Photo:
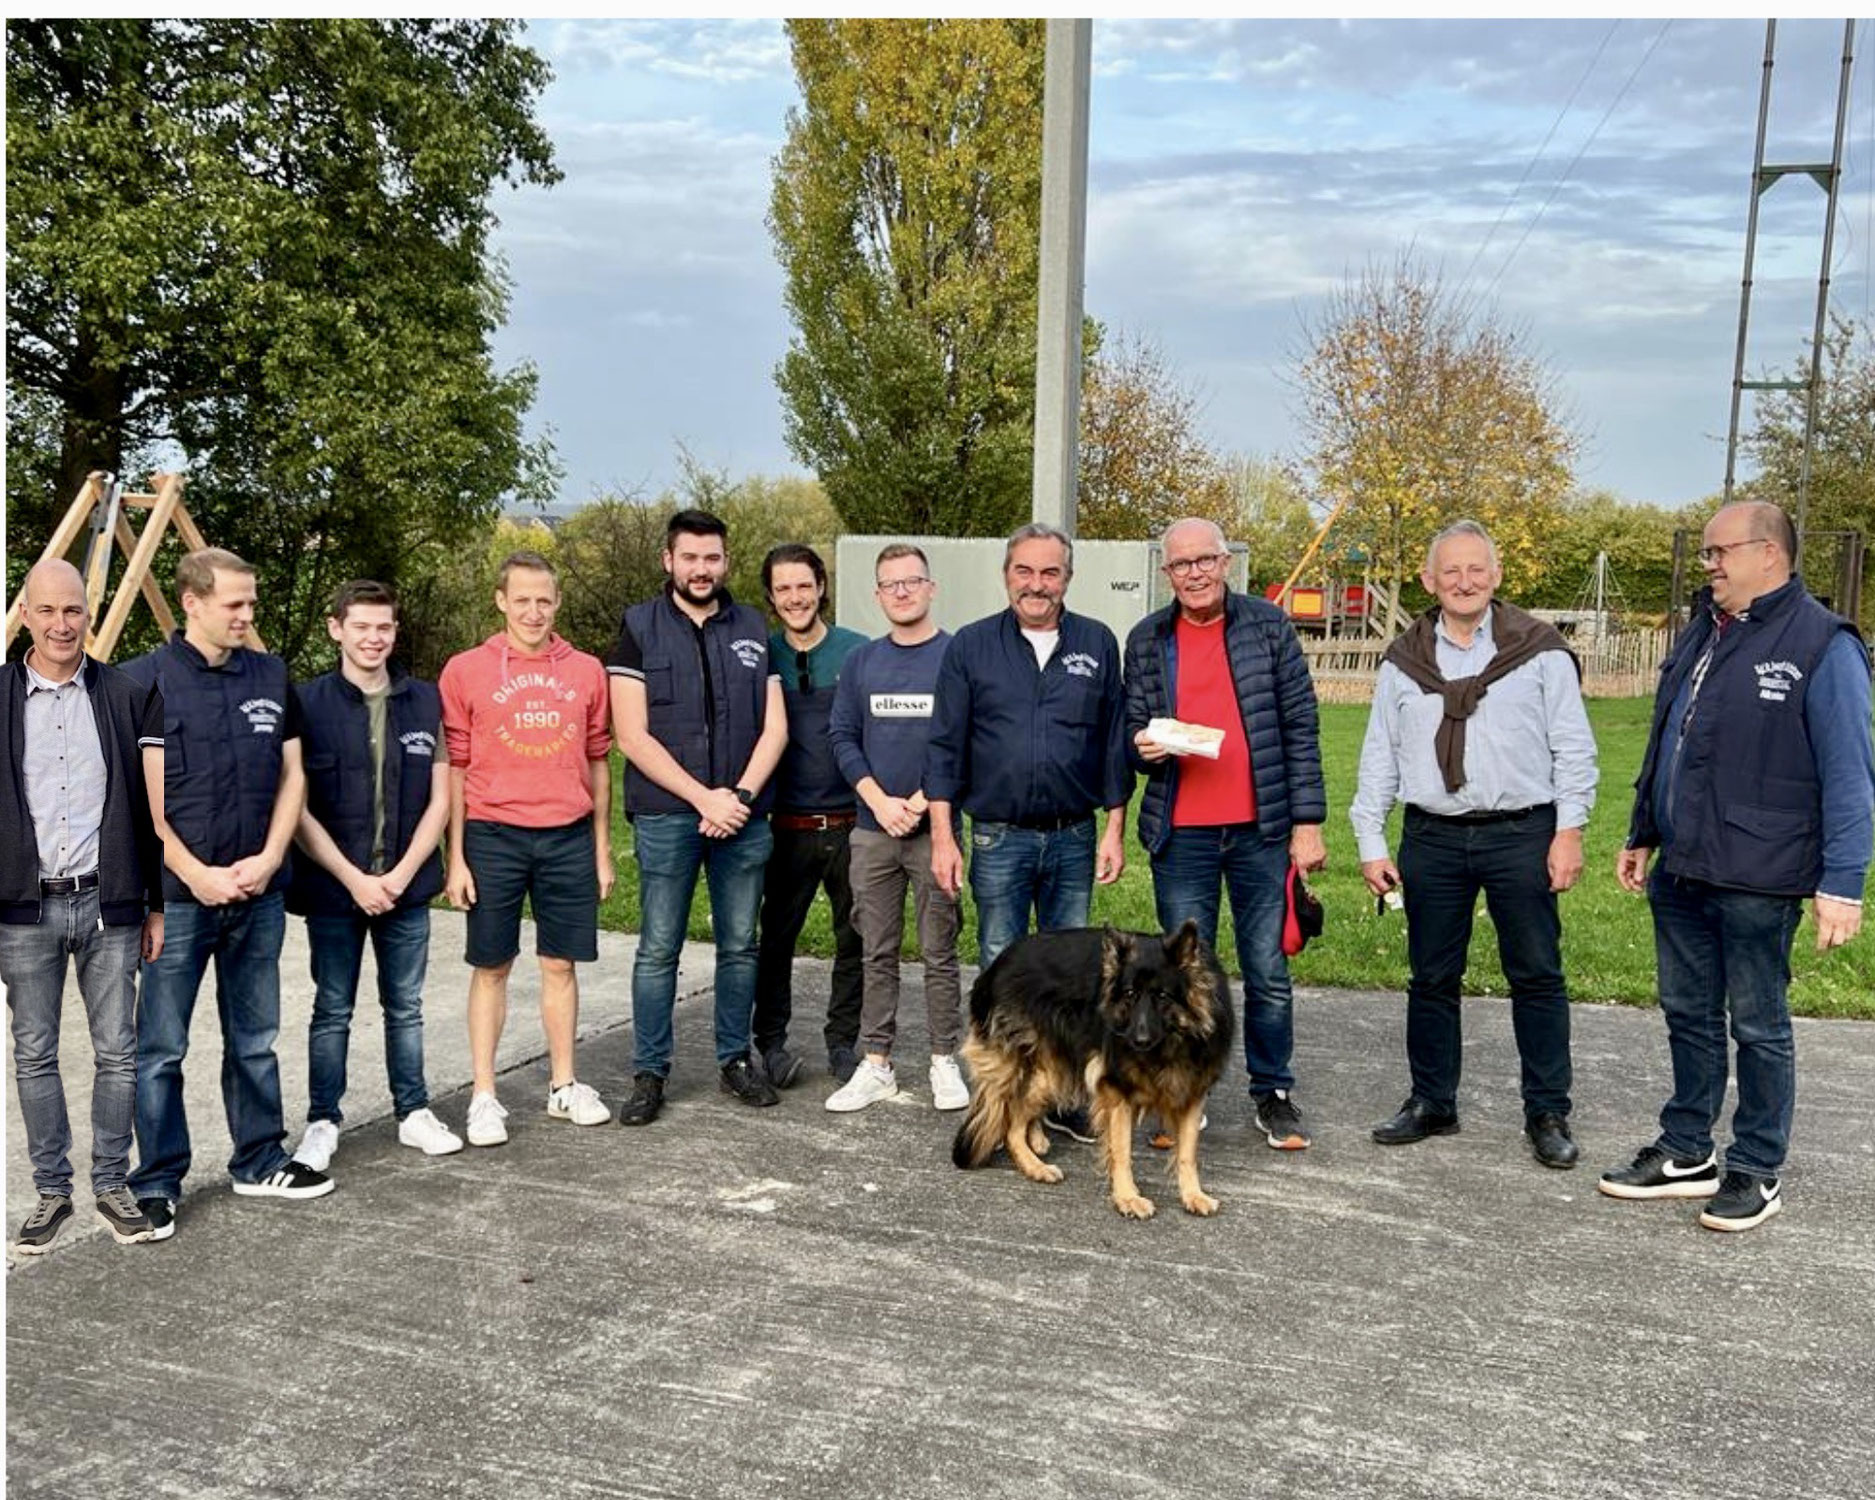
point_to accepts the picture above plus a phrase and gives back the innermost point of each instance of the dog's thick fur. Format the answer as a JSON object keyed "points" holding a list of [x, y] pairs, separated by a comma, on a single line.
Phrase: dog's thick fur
{"points": [[1141, 1021]]}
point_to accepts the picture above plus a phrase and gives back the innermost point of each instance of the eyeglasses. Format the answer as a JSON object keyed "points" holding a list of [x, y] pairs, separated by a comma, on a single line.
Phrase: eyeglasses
{"points": [[804, 672], [1207, 562], [1714, 554], [901, 586]]}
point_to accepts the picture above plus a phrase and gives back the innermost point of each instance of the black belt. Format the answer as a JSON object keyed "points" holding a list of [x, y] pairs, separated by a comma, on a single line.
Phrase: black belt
{"points": [[69, 885], [1050, 825], [812, 822], [1508, 815]]}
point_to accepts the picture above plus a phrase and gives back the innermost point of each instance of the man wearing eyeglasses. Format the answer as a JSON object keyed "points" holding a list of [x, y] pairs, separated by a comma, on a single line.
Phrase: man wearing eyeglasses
{"points": [[881, 728], [1758, 790], [1029, 740], [812, 820], [696, 701], [1478, 727], [1219, 659]]}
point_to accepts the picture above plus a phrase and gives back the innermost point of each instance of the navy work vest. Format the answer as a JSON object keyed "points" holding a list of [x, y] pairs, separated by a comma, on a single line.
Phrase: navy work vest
{"points": [[341, 782], [706, 696], [1746, 804], [222, 729]]}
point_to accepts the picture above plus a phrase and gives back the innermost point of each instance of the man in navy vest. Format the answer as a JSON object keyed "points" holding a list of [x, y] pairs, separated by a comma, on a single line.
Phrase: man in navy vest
{"points": [[232, 791], [812, 821], [698, 711], [80, 887], [377, 802], [1218, 659], [1758, 790]]}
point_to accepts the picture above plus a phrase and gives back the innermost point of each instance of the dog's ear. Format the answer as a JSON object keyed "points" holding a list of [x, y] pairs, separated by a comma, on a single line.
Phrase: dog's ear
{"points": [[1182, 947], [1116, 948]]}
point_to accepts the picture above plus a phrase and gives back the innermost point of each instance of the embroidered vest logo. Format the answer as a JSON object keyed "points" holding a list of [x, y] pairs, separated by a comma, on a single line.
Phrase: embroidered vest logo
{"points": [[1777, 679], [1080, 664], [263, 715], [418, 742], [750, 652]]}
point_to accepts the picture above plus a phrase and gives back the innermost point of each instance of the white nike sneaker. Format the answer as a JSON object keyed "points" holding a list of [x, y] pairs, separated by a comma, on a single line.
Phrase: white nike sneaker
{"points": [[869, 1084], [948, 1089], [485, 1121], [421, 1128], [317, 1146]]}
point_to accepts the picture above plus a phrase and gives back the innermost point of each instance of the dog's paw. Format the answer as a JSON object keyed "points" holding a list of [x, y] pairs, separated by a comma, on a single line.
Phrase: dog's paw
{"points": [[1135, 1207], [1039, 1142], [1042, 1172], [1202, 1204]]}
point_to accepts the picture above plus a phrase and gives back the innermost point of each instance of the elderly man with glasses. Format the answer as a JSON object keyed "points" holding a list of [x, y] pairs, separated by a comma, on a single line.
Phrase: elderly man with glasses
{"points": [[1758, 790], [1230, 663], [812, 819]]}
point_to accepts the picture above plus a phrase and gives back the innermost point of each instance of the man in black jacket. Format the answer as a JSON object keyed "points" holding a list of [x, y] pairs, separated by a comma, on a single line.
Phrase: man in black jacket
{"points": [[377, 802], [80, 878], [1230, 664]]}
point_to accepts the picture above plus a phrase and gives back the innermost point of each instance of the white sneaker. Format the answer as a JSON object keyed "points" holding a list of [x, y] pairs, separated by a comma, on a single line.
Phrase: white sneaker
{"points": [[421, 1128], [869, 1084], [578, 1102], [948, 1089], [485, 1117], [318, 1144]]}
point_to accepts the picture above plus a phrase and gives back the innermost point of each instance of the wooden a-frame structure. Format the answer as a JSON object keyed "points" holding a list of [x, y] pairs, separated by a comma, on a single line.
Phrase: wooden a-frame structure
{"points": [[100, 504]]}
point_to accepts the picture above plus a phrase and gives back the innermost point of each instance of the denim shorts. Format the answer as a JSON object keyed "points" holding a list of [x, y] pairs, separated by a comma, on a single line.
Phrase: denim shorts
{"points": [[552, 867]]}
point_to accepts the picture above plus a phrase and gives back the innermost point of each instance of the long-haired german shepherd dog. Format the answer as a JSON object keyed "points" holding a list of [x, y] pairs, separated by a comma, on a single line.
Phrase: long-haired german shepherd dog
{"points": [[1141, 1021]]}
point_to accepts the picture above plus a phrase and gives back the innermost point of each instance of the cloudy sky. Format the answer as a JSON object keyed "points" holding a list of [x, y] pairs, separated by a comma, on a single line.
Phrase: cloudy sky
{"points": [[1591, 177]]}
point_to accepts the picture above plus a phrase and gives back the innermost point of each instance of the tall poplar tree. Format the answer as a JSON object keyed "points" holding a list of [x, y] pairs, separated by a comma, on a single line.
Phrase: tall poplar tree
{"points": [[905, 214]]}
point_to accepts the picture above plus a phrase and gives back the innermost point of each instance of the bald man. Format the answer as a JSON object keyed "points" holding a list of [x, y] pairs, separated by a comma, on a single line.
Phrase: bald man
{"points": [[80, 879], [1758, 792]]}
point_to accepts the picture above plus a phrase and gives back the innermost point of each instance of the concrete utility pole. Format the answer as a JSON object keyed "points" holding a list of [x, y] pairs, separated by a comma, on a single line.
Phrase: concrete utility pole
{"points": [[1063, 272]]}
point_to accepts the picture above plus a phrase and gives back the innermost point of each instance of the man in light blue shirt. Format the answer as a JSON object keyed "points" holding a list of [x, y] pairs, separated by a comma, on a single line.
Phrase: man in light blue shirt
{"points": [[1478, 727]]}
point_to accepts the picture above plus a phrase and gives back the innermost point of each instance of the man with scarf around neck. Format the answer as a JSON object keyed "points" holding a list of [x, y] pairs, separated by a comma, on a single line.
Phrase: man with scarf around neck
{"points": [[1758, 790], [1478, 727]]}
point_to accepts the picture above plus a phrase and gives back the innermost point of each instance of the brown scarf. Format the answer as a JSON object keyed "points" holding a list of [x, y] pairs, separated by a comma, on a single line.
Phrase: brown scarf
{"points": [[1519, 635]]}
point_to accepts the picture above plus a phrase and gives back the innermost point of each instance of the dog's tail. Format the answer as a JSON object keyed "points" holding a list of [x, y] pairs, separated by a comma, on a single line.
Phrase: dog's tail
{"points": [[964, 1152], [986, 1126]]}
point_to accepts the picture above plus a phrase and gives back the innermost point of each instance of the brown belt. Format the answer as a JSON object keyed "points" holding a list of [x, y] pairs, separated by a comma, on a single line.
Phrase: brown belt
{"points": [[812, 822]]}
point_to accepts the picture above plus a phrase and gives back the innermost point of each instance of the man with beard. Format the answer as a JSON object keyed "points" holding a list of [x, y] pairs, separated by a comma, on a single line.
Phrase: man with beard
{"points": [[700, 717], [1029, 739], [812, 821]]}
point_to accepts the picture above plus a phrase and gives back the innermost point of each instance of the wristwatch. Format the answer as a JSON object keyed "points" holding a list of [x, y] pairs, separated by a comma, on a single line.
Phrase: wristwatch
{"points": [[745, 796]]}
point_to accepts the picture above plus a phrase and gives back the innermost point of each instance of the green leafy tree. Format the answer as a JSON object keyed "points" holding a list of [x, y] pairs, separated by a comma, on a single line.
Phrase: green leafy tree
{"points": [[1416, 409], [1270, 513], [265, 244], [904, 213], [1842, 464]]}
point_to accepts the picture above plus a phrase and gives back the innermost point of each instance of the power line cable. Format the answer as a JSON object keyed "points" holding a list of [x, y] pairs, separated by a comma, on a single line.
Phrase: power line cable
{"points": [[1613, 104], [1555, 125]]}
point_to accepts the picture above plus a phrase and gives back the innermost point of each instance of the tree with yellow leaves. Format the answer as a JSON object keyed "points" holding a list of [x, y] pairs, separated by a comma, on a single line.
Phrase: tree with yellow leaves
{"points": [[1418, 408]]}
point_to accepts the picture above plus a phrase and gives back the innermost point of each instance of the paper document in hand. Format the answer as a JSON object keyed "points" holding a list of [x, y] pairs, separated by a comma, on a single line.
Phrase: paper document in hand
{"points": [[1186, 739]]}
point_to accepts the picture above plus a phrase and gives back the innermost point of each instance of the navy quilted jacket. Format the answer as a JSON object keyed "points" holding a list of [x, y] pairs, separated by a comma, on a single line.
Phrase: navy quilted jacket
{"points": [[1274, 695]]}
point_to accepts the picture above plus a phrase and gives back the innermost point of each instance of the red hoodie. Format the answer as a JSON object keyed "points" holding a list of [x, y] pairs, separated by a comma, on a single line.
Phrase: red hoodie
{"points": [[524, 728]]}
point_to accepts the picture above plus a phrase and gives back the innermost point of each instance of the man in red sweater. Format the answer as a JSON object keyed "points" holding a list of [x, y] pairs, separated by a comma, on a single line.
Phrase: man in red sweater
{"points": [[530, 802]]}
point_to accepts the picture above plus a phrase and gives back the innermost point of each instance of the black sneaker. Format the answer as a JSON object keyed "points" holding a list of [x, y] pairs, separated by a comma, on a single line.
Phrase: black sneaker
{"points": [[1655, 1174], [647, 1098], [743, 1080], [1280, 1121], [128, 1223], [1070, 1120], [294, 1180], [783, 1067], [1742, 1202], [843, 1063], [162, 1216], [43, 1224]]}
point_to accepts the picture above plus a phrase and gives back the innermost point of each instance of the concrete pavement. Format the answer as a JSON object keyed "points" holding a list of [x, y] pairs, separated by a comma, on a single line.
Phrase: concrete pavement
{"points": [[787, 1302]]}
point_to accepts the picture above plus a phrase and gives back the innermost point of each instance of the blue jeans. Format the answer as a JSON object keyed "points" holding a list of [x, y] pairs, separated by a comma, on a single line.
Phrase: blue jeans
{"points": [[243, 939], [1013, 869], [1723, 951], [670, 850], [400, 942], [32, 963], [1186, 875], [1444, 863]]}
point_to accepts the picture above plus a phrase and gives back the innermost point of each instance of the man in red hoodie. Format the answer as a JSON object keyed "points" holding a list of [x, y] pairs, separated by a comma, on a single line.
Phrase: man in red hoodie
{"points": [[525, 717]]}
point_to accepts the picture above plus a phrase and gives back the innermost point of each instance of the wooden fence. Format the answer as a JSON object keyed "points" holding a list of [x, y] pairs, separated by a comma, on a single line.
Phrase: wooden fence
{"points": [[1619, 664]]}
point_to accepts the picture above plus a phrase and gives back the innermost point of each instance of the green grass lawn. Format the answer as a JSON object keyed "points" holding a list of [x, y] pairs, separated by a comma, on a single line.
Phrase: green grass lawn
{"points": [[1608, 949]]}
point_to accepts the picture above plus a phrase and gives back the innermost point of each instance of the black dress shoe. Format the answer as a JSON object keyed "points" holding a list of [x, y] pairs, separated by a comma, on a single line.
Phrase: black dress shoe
{"points": [[1415, 1121], [1549, 1138]]}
